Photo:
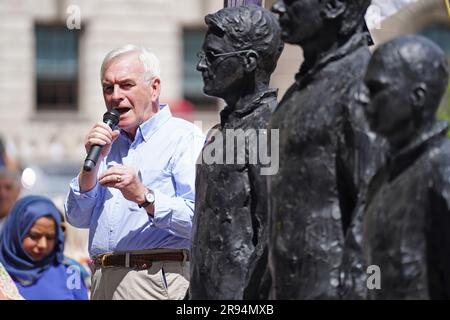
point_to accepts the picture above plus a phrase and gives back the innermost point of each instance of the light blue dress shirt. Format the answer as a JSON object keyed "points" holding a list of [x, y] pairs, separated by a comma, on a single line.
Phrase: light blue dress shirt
{"points": [[163, 154]]}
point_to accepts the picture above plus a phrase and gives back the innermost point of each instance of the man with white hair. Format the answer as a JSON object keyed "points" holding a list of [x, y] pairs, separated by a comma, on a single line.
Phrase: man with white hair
{"points": [[138, 201]]}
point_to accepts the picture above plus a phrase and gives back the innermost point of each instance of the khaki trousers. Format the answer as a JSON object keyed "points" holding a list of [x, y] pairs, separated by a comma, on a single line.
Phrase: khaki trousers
{"points": [[165, 280]]}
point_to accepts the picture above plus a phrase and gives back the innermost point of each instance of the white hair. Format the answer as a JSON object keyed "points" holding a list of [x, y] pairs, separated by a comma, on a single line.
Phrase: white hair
{"points": [[148, 59]]}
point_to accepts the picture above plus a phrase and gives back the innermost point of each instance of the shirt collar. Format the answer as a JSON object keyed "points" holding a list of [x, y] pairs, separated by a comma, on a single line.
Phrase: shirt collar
{"points": [[242, 110], [307, 73], [149, 127], [416, 147]]}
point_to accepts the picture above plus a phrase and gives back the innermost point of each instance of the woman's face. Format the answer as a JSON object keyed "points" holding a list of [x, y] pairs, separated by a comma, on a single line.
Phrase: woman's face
{"points": [[41, 239]]}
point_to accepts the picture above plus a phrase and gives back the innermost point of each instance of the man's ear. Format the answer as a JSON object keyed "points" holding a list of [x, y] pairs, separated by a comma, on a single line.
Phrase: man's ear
{"points": [[333, 9], [155, 83], [251, 61], [418, 95], [418, 99]]}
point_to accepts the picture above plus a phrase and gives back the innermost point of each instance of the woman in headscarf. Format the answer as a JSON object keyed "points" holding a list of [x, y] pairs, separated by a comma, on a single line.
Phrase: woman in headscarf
{"points": [[31, 250]]}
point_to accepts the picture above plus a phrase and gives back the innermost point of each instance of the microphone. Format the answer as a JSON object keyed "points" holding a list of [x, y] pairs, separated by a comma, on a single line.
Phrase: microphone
{"points": [[111, 118]]}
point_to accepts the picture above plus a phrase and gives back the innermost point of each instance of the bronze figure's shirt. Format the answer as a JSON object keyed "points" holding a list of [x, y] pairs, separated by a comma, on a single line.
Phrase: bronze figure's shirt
{"points": [[407, 220]]}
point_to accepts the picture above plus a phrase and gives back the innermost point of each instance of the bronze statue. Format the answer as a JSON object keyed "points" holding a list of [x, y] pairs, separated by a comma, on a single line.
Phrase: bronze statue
{"points": [[229, 248], [326, 158], [407, 216]]}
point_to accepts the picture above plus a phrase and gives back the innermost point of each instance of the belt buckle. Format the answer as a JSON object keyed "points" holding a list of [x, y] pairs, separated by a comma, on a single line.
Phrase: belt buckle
{"points": [[104, 256]]}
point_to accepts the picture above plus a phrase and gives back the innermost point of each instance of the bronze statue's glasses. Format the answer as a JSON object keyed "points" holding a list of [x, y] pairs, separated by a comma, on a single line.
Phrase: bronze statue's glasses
{"points": [[210, 56]]}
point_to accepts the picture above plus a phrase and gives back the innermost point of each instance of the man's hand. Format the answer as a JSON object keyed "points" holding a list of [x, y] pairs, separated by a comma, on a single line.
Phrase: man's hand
{"points": [[126, 180], [101, 134]]}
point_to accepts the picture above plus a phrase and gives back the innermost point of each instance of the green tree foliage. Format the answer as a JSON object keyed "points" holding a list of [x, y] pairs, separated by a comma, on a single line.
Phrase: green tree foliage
{"points": [[444, 109]]}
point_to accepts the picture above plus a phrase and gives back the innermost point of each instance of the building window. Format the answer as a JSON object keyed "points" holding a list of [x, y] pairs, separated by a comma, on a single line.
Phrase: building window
{"points": [[192, 79], [56, 67]]}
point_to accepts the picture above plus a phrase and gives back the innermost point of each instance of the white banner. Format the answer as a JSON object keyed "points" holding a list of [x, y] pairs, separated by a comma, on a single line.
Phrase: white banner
{"points": [[382, 9]]}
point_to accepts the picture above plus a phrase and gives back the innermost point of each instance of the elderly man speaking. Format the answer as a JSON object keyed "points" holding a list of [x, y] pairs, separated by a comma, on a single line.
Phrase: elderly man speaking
{"points": [[138, 201]]}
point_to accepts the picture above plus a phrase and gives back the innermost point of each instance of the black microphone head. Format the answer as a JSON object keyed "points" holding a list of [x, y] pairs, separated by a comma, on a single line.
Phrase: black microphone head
{"points": [[111, 117]]}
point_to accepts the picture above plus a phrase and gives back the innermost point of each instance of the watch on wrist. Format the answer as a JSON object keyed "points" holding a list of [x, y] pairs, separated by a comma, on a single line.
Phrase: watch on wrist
{"points": [[149, 197]]}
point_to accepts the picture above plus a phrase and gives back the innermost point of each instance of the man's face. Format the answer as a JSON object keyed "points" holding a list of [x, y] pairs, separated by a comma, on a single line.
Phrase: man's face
{"points": [[221, 75], [389, 112], [9, 192], [300, 20], [126, 89]]}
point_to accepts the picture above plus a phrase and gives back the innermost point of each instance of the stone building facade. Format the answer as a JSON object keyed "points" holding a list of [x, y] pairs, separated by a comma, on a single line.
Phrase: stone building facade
{"points": [[57, 135]]}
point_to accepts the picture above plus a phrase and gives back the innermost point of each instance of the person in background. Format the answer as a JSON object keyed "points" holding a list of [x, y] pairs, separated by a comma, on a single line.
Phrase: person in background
{"points": [[31, 250], [2, 153], [10, 189], [6, 161]]}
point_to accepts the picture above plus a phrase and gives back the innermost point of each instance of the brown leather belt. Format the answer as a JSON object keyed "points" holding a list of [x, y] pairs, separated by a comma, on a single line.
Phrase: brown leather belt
{"points": [[137, 260]]}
